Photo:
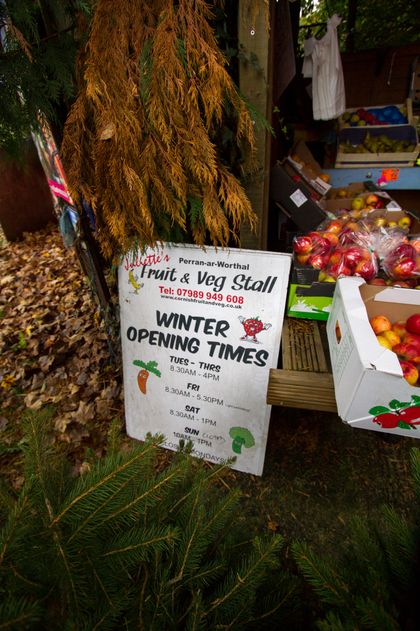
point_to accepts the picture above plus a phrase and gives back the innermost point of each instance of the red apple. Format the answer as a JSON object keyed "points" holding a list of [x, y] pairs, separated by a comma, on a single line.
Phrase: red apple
{"points": [[302, 259], [332, 238], [377, 281], [339, 269], [314, 235], [392, 337], [413, 324], [379, 324], [366, 269], [410, 372], [322, 246], [404, 268], [371, 199], [302, 245], [413, 339], [399, 328], [334, 226], [403, 250], [408, 352], [352, 256], [336, 256]]}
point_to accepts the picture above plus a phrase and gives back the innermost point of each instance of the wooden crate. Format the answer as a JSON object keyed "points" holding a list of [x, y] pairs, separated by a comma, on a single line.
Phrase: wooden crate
{"points": [[305, 380], [361, 160], [356, 135]]}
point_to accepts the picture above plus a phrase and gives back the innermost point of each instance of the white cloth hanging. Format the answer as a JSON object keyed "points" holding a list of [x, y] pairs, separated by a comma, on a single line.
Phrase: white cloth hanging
{"points": [[328, 93], [308, 49]]}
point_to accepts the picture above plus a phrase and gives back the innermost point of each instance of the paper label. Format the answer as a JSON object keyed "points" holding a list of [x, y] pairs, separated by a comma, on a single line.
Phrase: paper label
{"points": [[298, 198]]}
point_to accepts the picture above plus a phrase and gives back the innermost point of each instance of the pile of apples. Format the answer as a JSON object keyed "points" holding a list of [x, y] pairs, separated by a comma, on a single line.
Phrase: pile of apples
{"points": [[403, 338], [357, 242], [389, 115]]}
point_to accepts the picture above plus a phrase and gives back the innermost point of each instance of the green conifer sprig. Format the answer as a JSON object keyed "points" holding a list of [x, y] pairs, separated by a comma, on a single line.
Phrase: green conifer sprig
{"points": [[372, 582], [37, 65], [128, 544], [401, 545]]}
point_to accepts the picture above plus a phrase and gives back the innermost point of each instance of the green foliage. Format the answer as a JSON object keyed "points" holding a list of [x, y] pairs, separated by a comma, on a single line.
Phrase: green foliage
{"points": [[379, 24], [37, 64], [132, 544], [372, 581]]}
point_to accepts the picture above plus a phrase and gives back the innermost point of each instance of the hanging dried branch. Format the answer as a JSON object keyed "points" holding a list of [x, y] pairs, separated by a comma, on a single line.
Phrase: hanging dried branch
{"points": [[139, 140]]}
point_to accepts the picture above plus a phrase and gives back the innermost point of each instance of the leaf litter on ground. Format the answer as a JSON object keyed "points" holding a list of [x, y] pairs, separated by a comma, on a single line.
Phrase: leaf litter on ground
{"points": [[54, 348]]}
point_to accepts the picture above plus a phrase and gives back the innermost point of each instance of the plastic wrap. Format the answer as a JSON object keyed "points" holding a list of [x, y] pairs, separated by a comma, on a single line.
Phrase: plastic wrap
{"points": [[401, 262], [354, 256]]}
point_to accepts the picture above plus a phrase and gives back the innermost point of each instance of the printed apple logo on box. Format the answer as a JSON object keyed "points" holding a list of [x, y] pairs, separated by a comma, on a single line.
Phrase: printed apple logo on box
{"points": [[399, 414]]}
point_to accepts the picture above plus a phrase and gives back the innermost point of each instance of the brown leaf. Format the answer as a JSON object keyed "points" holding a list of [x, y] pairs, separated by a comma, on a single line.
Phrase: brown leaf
{"points": [[33, 401], [85, 412]]}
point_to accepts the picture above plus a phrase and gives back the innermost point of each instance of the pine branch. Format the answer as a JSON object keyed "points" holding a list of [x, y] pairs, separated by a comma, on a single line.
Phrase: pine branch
{"points": [[332, 622], [138, 544], [125, 546], [194, 621], [18, 613], [326, 582], [239, 583], [16, 517], [372, 616], [400, 543], [369, 561], [96, 481]]}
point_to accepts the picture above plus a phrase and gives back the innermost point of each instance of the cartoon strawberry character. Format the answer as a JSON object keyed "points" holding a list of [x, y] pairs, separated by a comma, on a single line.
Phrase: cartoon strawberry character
{"points": [[252, 327]]}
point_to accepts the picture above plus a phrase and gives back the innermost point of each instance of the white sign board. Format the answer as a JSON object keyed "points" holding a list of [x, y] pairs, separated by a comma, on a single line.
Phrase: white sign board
{"points": [[200, 331]]}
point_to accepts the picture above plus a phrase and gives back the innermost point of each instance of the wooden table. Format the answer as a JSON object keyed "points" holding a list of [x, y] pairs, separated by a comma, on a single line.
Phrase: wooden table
{"points": [[304, 379]]}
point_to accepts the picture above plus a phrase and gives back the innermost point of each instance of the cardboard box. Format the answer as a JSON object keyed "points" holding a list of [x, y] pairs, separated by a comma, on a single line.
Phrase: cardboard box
{"points": [[297, 188], [370, 391], [391, 212], [354, 189], [356, 135], [295, 198], [308, 298], [303, 162], [335, 204]]}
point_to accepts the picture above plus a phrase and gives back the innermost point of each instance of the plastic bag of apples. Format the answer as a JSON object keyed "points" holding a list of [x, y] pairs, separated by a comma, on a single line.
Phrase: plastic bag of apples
{"points": [[400, 261], [354, 256]]}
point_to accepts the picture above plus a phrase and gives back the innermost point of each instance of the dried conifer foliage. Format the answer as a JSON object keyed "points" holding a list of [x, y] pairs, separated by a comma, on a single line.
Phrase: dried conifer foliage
{"points": [[138, 140]]}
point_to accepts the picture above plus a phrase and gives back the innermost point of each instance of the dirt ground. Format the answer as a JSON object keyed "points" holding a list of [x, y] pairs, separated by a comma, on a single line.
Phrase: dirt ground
{"points": [[318, 471]]}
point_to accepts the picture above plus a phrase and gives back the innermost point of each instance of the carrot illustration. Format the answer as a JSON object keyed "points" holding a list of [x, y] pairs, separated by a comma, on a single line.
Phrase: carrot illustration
{"points": [[146, 369]]}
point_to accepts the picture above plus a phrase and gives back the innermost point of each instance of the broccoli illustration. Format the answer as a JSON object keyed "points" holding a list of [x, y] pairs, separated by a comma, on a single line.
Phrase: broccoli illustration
{"points": [[242, 437]]}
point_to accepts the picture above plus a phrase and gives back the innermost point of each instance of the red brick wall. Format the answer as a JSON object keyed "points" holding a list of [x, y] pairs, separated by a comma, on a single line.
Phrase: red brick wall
{"points": [[25, 198]]}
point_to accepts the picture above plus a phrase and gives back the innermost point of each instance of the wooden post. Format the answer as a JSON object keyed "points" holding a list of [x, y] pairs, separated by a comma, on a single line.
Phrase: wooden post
{"points": [[255, 84]]}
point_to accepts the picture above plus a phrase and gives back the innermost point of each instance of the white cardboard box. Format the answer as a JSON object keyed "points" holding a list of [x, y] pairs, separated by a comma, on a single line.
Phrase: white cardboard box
{"points": [[370, 390]]}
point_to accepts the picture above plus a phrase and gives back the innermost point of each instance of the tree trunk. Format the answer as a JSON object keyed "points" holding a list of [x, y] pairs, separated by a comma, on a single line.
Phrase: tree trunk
{"points": [[351, 23]]}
